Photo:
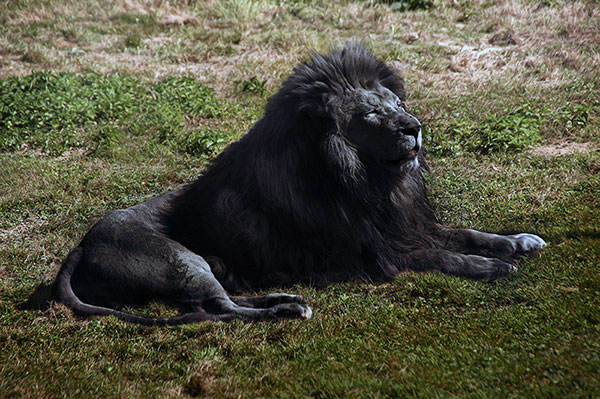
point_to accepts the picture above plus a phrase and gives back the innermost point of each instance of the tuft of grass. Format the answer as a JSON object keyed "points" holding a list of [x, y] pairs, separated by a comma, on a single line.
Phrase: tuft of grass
{"points": [[136, 19], [511, 131], [190, 97], [252, 85], [133, 40], [34, 56], [207, 142], [411, 5]]}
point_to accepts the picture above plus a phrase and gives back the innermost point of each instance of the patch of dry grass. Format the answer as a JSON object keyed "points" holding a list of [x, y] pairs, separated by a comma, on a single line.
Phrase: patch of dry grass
{"points": [[563, 149], [220, 42]]}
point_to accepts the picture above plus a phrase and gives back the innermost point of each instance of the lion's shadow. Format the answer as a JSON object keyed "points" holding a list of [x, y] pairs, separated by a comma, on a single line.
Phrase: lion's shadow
{"points": [[40, 298]]}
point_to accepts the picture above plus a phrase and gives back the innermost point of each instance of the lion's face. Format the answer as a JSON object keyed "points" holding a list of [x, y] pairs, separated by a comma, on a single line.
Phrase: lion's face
{"points": [[381, 129]]}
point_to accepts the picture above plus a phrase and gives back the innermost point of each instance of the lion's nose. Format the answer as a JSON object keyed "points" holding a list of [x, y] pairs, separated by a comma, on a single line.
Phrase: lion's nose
{"points": [[411, 127]]}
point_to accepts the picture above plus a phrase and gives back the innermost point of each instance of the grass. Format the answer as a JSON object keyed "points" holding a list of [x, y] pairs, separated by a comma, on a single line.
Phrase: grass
{"points": [[106, 104], [55, 113]]}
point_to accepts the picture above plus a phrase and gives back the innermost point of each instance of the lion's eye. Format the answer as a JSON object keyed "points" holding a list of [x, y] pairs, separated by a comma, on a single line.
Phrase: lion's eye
{"points": [[371, 113]]}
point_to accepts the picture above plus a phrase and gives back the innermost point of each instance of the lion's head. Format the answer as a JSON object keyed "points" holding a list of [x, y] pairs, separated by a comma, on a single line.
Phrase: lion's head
{"points": [[349, 106], [375, 123], [358, 102]]}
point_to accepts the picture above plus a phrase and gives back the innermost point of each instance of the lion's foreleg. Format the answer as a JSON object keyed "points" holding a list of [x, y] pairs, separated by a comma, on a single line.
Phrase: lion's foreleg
{"points": [[448, 262], [487, 244]]}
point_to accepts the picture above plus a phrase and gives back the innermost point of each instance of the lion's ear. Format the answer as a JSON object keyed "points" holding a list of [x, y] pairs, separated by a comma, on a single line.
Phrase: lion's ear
{"points": [[312, 110], [395, 84], [320, 113], [315, 106]]}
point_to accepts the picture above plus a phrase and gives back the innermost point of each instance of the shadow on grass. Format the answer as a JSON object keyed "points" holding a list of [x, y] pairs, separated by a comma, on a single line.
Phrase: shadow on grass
{"points": [[591, 233], [39, 299]]}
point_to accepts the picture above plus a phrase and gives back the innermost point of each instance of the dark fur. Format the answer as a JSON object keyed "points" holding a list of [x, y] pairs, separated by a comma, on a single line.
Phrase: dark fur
{"points": [[320, 190]]}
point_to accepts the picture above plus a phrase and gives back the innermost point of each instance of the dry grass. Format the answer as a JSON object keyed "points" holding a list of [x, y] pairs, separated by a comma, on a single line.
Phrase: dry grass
{"points": [[563, 149], [219, 42]]}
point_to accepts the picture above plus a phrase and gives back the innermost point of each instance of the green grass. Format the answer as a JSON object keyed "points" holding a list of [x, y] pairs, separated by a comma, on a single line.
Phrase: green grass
{"points": [[104, 105], [55, 113], [514, 130]]}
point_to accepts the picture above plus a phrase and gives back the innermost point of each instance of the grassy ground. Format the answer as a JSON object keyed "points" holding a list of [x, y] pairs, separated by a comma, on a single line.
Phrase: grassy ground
{"points": [[106, 104]]}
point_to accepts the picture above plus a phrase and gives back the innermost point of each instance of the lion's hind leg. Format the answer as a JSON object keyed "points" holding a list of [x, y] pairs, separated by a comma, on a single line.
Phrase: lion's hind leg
{"points": [[203, 292], [224, 308], [228, 310], [271, 300]]}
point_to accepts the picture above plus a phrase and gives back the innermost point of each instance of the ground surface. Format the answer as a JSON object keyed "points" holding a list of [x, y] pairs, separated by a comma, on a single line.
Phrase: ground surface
{"points": [[106, 104]]}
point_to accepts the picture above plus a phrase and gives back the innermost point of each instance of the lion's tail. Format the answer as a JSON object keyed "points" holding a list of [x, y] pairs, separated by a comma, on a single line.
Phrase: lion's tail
{"points": [[63, 292]]}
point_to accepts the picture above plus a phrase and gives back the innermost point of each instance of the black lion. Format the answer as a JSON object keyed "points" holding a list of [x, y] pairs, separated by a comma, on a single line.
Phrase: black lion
{"points": [[326, 187]]}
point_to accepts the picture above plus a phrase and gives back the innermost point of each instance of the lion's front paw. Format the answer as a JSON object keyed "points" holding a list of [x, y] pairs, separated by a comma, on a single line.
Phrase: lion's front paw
{"points": [[489, 268], [526, 242]]}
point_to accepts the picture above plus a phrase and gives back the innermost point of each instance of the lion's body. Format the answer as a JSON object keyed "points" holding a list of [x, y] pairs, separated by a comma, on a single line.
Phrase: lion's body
{"points": [[326, 187], [269, 233]]}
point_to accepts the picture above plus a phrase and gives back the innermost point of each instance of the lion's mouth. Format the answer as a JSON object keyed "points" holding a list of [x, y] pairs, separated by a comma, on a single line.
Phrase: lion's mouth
{"points": [[392, 162], [397, 162]]}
